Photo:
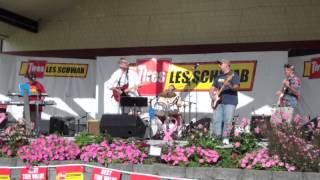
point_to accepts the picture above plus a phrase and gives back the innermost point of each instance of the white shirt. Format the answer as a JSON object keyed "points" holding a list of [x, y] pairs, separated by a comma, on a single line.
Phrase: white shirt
{"points": [[120, 78]]}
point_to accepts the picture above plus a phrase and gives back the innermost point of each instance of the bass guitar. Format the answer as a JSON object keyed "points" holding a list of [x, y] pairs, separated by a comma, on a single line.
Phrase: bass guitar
{"points": [[217, 99]]}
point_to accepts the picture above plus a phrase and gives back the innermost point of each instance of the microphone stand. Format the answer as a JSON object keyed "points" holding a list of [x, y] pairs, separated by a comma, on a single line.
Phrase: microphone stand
{"points": [[196, 82], [189, 89], [78, 122], [189, 99]]}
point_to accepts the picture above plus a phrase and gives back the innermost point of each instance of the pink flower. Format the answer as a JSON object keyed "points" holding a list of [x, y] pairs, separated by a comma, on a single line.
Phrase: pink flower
{"points": [[257, 130], [237, 144], [201, 161]]}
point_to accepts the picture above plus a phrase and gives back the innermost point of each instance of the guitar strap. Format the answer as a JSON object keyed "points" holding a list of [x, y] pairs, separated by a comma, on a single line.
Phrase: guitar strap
{"points": [[127, 78]]}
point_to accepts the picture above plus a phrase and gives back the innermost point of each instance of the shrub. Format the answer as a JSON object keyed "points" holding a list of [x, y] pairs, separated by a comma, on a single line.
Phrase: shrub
{"points": [[11, 139], [190, 156], [292, 141], [261, 160], [119, 151], [49, 148]]}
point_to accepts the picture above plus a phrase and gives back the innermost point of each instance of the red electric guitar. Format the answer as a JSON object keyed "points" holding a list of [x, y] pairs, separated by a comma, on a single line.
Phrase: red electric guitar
{"points": [[117, 94]]}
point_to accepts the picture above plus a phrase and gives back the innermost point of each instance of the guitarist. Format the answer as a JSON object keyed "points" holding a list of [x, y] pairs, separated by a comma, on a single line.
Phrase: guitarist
{"points": [[224, 91], [122, 82], [289, 95]]}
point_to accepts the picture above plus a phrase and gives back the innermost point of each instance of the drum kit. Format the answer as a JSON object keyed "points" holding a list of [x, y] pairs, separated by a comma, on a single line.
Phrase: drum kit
{"points": [[164, 115]]}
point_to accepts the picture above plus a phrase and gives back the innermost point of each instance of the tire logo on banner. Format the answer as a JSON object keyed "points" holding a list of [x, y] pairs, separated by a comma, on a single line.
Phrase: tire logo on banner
{"points": [[187, 77], [153, 71], [312, 68]]}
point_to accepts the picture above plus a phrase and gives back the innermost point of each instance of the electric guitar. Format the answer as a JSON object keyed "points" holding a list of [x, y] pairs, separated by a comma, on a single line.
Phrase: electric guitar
{"points": [[281, 95], [217, 99], [119, 91]]}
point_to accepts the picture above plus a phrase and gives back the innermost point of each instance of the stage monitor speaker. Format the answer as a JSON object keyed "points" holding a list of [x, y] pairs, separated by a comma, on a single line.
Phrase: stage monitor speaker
{"points": [[122, 125]]}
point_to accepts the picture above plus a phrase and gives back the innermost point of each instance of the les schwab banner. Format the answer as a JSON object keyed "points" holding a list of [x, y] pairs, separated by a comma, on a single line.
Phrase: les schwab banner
{"points": [[55, 69], [160, 73]]}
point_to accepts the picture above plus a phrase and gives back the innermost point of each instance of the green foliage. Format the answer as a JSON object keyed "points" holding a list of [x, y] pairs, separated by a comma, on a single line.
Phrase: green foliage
{"points": [[85, 138], [226, 158], [248, 142], [201, 137]]}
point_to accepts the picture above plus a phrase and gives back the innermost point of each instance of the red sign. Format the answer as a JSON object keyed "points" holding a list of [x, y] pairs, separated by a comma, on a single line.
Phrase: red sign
{"points": [[34, 173], [154, 71], [37, 67], [315, 68], [100, 174], [5, 173], [143, 177], [70, 173]]}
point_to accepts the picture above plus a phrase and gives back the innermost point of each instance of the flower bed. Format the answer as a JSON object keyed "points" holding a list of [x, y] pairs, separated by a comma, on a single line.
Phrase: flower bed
{"points": [[290, 149]]}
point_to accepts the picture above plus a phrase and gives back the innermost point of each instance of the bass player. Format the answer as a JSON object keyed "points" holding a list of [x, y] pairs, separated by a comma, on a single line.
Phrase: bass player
{"points": [[224, 94], [123, 82]]}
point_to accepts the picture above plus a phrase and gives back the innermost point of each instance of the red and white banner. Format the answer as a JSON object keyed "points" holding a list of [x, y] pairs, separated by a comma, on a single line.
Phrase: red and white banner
{"points": [[315, 68], [5, 173], [37, 67], [34, 173], [143, 177], [153, 72], [101, 174], [70, 173]]}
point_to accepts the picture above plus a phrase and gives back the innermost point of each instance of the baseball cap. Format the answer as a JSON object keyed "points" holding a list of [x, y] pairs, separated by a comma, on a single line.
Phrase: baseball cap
{"points": [[224, 61]]}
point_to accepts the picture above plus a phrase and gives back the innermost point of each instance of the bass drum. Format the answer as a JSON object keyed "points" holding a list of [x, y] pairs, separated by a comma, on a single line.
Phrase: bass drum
{"points": [[156, 125]]}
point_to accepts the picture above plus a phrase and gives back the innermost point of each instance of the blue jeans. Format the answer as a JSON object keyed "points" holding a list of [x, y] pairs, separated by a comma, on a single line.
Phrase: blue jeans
{"points": [[222, 120]]}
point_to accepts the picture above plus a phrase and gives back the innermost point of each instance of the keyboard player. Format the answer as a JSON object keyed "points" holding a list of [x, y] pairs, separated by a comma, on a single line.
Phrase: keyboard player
{"points": [[36, 89]]}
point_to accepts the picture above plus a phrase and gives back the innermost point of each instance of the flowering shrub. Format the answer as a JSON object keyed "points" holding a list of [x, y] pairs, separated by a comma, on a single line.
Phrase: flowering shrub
{"points": [[119, 151], [261, 160], [11, 139], [49, 148], [190, 156], [291, 142]]}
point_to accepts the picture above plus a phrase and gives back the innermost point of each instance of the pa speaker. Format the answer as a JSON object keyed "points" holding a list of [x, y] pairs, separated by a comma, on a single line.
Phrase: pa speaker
{"points": [[122, 125], [59, 125]]}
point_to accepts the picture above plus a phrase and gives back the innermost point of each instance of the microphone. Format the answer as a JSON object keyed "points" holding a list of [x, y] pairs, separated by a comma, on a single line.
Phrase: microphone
{"points": [[196, 66]]}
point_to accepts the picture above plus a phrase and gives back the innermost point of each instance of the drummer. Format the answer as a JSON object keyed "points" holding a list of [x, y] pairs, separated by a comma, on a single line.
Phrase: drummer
{"points": [[173, 102]]}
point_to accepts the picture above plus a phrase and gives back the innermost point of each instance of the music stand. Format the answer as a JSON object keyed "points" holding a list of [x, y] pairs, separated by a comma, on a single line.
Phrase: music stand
{"points": [[126, 101], [133, 101]]}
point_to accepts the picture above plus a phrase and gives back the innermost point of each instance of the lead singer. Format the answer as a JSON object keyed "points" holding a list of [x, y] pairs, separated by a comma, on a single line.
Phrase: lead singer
{"points": [[224, 94], [123, 82]]}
